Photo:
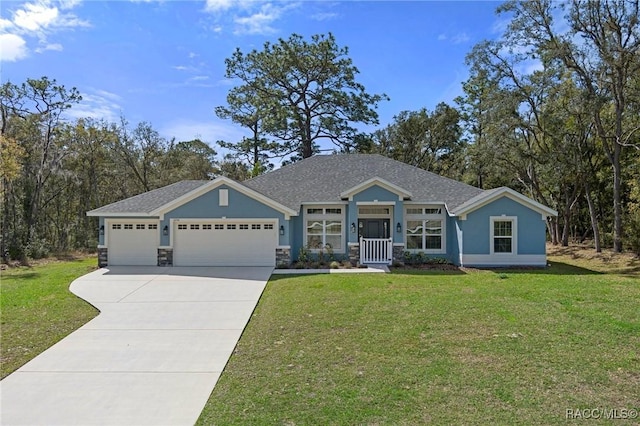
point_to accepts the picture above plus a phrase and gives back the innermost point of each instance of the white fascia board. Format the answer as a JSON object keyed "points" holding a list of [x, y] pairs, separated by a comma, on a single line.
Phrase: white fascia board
{"points": [[219, 181], [121, 214], [511, 194], [375, 203], [400, 192], [324, 203]]}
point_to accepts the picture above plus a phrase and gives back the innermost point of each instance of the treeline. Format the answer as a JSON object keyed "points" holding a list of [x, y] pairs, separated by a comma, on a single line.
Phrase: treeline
{"points": [[551, 109], [54, 171]]}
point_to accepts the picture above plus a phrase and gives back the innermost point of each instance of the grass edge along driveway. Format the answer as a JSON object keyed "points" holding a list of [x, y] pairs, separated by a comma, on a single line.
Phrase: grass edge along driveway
{"points": [[506, 347], [38, 310]]}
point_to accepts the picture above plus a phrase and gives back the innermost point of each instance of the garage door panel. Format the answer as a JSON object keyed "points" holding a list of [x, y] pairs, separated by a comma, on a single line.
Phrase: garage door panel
{"points": [[224, 243], [133, 243]]}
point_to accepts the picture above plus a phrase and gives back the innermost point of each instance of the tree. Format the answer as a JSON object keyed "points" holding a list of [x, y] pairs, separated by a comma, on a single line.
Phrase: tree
{"points": [[299, 93], [31, 113], [605, 62], [429, 140]]}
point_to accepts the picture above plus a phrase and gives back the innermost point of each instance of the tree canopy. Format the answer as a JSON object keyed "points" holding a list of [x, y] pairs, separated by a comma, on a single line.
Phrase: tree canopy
{"points": [[297, 93]]}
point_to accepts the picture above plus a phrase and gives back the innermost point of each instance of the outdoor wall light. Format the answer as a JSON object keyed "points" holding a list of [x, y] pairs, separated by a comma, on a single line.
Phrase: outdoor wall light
{"points": [[101, 229], [165, 230], [281, 229], [399, 227], [353, 228]]}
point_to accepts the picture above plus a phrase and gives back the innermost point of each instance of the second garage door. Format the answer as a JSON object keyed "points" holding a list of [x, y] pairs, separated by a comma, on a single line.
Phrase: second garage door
{"points": [[224, 243]]}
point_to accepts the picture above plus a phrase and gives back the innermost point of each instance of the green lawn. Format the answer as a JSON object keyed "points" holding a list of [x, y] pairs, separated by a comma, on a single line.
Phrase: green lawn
{"points": [[37, 309], [480, 347]]}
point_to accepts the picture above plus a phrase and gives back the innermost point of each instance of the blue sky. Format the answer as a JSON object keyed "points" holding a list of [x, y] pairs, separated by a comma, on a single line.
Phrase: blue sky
{"points": [[163, 61]]}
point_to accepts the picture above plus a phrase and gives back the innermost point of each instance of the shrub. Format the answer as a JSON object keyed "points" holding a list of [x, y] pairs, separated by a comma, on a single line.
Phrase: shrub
{"points": [[334, 265]]}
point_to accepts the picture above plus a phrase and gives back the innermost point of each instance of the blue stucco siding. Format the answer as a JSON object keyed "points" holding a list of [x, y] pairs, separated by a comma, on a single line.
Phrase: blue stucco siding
{"points": [[375, 192], [531, 231], [453, 245], [240, 205]]}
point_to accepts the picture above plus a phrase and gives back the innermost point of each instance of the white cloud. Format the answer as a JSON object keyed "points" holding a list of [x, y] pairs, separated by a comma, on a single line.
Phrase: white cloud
{"points": [[35, 22], [208, 131], [53, 46], [324, 16], [98, 104], [219, 5], [246, 16], [12, 48], [461, 37], [35, 16]]}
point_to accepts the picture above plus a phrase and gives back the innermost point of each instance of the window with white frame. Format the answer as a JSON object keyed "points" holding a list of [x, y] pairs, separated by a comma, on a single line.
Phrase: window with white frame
{"points": [[503, 235], [324, 228], [425, 229]]}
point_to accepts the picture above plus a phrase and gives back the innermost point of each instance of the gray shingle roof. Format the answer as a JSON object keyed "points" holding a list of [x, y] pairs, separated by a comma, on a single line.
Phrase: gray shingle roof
{"points": [[149, 201], [324, 177], [321, 178]]}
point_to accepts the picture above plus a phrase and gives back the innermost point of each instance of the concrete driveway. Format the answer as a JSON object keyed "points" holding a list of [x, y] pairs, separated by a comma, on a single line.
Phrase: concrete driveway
{"points": [[151, 357]]}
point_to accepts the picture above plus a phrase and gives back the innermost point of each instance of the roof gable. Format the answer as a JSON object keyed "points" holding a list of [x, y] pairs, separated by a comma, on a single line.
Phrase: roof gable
{"points": [[220, 181], [489, 196], [376, 181]]}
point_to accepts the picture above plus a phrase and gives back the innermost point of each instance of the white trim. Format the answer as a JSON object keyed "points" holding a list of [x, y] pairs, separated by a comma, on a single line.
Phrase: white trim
{"points": [[165, 247], [283, 247], [324, 203], [102, 246], [97, 214], [219, 181], [398, 244], [511, 194], [514, 234], [376, 181], [375, 203], [507, 260]]}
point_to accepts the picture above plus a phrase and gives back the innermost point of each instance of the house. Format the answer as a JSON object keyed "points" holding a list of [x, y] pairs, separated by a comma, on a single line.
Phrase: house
{"points": [[368, 208]]}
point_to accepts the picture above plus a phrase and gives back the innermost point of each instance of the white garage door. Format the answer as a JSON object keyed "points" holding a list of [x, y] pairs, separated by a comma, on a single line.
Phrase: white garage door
{"points": [[224, 243], [133, 243]]}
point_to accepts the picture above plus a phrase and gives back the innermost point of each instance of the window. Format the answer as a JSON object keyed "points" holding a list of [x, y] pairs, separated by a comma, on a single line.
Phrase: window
{"points": [[116, 226], [255, 226], [218, 226], [425, 229], [322, 210], [206, 226], [152, 226], [244, 226], [425, 235], [182, 226], [503, 234], [140, 226], [194, 226], [231, 226], [268, 226], [324, 233], [373, 211], [324, 228], [128, 226]]}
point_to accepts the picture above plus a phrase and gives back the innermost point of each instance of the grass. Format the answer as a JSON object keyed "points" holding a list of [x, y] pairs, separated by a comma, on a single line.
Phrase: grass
{"points": [[37, 309], [481, 347]]}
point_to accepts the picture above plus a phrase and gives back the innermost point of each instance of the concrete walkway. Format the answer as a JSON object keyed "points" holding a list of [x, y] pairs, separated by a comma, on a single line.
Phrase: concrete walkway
{"points": [[152, 356]]}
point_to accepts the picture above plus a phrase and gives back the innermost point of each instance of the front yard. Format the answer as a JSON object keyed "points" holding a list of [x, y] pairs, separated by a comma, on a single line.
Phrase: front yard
{"points": [[474, 347], [437, 347]]}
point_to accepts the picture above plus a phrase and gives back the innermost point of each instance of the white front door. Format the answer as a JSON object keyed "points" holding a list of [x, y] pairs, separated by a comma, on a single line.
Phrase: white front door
{"points": [[225, 242], [132, 242]]}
